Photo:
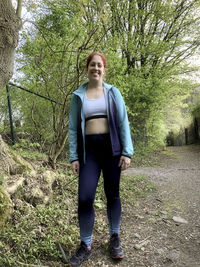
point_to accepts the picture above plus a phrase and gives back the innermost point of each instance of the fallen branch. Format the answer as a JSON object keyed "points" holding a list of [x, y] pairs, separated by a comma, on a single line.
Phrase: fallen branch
{"points": [[142, 243], [144, 239]]}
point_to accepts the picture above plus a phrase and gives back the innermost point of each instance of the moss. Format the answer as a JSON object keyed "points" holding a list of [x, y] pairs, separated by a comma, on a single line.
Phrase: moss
{"points": [[5, 206], [23, 165], [1, 179]]}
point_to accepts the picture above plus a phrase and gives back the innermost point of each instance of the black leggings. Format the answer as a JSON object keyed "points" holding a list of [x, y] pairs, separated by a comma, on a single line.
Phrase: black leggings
{"points": [[98, 158]]}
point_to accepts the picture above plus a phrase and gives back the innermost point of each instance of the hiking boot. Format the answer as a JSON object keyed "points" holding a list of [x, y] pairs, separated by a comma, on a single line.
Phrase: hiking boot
{"points": [[115, 247], [82, 253]]}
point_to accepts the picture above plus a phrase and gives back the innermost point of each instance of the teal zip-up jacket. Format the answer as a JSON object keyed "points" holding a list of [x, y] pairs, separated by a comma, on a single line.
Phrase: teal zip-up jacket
{"points": [[117, 120]]}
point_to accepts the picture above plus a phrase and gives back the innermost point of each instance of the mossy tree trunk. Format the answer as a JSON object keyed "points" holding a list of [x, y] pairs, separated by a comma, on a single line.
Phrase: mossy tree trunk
{"points": [[10, 24], [7, 163]]}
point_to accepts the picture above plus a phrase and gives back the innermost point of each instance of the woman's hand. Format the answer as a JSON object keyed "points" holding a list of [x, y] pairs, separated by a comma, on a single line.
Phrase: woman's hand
{"points": [[75, 166], [124, 162]]}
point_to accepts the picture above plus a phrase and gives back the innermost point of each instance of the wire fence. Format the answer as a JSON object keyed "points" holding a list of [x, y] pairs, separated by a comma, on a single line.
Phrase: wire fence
{"points": [[12, 132]]}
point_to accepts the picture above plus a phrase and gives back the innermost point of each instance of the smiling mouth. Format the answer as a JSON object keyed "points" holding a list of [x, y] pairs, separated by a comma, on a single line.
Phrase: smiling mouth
{"points": [[95, 73]]}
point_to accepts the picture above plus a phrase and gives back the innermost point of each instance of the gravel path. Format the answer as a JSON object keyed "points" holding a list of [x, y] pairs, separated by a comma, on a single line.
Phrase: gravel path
{"points": [[178, 194], [152, 235]]}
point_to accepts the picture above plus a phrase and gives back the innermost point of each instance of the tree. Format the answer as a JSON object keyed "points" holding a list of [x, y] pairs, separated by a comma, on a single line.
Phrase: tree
{"points": [[155, 39], [55, 53], [10, 24], [146, 43]]}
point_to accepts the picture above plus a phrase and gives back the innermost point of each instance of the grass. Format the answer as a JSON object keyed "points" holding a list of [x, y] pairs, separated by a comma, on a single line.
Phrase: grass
{"points": [[147, 158], [133, 187], [32, 235]]}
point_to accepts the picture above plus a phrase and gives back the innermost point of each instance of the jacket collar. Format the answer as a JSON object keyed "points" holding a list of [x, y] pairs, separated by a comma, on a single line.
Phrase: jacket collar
{"points": [[82, 89]]}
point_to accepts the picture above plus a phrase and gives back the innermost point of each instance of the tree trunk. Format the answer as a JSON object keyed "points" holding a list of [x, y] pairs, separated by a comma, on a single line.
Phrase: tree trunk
{"points": [[10, 24], [57, 147]]}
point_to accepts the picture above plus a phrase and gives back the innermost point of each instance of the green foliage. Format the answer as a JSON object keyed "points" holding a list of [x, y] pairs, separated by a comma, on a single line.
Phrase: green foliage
{"points": [[177, 111], [38, 241], [53, 65], [5, 206], [195, 109], [134, 187], [146, 43], [26, 144], [29, 150], [33, 234], [152, 42], [100, 199]]}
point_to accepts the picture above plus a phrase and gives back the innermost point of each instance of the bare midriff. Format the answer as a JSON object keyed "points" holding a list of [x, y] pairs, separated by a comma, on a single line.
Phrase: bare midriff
{"points": [[97, 126]]}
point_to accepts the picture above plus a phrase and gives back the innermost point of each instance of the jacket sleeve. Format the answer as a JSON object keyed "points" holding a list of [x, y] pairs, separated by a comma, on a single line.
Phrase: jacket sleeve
{"points": [[123, 124], [73, 121]]}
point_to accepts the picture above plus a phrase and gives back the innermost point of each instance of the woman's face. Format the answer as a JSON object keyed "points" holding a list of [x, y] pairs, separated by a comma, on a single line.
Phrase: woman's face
{"points": [[96, 69]]}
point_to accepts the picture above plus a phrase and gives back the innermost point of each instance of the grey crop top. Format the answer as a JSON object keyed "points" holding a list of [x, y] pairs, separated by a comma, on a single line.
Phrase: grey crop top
{"points": [[94, 108]]}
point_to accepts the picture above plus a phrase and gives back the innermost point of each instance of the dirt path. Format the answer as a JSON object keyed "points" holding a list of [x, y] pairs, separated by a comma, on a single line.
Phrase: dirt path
{"points": [[150, 225]]}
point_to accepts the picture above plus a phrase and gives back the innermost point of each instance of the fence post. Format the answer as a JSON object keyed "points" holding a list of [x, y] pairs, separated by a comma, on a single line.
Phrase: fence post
{"points": [[10, 116]]}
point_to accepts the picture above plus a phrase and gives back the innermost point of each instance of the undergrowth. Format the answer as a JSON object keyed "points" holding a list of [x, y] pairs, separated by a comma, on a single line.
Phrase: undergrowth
{"points": [[29, 150], [33, 234]]}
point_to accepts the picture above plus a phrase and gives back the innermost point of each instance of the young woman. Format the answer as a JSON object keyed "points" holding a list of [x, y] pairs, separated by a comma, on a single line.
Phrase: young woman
{"points": [[99, 140]]}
